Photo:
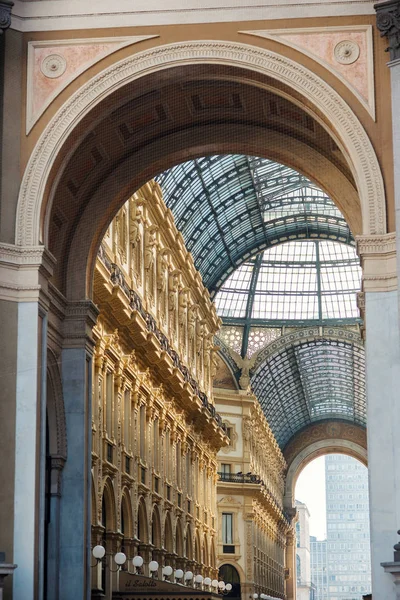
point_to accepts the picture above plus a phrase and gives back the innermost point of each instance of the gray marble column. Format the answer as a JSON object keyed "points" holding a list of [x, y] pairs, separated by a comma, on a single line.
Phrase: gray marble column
{"points": [[383, 419], [75, 506]]}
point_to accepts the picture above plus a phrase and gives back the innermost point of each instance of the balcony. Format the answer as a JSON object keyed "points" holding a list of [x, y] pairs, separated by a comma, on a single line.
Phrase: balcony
{"points": [[239, 478]]}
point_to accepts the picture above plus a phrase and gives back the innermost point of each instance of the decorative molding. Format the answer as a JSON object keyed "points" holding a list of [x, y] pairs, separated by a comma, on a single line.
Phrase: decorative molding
{"points": [[5, 14], [388, 23], [378, 261], [62, 61], [346, 52], [302, 335], [53, 66], [320, 439], [351, 135], [56, 15], [24, 272], [80, 318], [322, 431]]}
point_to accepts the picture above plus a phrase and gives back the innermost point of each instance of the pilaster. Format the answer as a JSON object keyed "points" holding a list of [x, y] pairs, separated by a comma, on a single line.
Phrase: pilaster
{"points": [[75, 513], [388, 23], [5, 14]]}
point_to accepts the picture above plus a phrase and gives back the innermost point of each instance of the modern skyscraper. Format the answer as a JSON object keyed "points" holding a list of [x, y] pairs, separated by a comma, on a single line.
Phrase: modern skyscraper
{"points": [[319, 567], [348, 552]]}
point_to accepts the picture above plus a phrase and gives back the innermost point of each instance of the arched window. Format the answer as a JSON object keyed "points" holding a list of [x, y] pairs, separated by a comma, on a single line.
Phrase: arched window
{"points": [[229, 574], [298, 568]]}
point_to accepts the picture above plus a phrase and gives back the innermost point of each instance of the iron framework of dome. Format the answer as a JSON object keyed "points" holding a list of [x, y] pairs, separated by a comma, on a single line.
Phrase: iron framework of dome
{"points": [[276, 253]]}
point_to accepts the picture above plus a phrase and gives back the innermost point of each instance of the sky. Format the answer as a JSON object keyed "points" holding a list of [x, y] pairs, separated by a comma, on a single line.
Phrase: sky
{"points": [[310, 489]]}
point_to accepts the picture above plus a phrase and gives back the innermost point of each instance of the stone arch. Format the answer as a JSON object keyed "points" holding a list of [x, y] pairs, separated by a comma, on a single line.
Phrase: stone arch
{"points": [[55, 409], [197, 548], [156, 533], [142, 522], [236, 567], [94, 511], [317, 440], [179, 537], [168, 534], [213, 553], [126, 514], [189, 543], [109, 506], [322, 99], [205, 550]]}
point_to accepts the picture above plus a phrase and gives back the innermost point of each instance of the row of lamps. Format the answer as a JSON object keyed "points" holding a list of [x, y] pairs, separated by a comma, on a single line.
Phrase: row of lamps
{"points": [[137, 561]]}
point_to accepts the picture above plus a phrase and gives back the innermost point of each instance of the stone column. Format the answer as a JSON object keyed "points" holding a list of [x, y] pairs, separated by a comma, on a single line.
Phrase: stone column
{"points": [[380, 298], [24, 273], [290, 566], [75, 510], [385, 486]]}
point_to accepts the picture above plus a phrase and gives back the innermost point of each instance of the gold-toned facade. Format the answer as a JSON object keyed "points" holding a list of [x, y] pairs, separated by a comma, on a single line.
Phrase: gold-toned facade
{"points": [[251, 487], [155, 430]]}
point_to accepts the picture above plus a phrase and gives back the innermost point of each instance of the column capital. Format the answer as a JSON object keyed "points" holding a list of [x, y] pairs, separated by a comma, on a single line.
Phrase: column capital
{"points": [[5, 14], [80, 318], [378, 260], [388, 23], [24, 271]]}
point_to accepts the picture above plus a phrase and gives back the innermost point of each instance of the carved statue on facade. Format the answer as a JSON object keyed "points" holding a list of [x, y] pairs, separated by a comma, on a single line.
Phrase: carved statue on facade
{"points": [[150, 249], [173, 288], [136, 218]]}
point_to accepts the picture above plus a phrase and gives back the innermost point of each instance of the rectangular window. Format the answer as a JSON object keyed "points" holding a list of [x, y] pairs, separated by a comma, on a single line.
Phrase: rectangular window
{"points": [[109, 404], [156, 445], [127, 418], [142, 432], [227, 528], [225, 469]]}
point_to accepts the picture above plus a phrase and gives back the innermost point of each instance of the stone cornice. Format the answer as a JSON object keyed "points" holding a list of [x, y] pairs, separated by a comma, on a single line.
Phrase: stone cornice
{"points": [[388, 23], [24, 272], [378, 261], [80, 318], [5, 14]]}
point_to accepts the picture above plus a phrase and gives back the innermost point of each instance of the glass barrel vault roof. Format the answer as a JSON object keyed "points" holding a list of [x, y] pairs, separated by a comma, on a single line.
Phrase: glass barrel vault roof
{"points": [[230, 207], [274, 250], [309, 382]]}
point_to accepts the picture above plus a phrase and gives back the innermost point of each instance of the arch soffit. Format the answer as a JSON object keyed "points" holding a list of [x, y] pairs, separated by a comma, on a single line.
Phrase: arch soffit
{"points": [[236, 566], [111, 508], [317, 440], [55, 409], [282, 148], [350, 134], [142, 517], [126, 504]]}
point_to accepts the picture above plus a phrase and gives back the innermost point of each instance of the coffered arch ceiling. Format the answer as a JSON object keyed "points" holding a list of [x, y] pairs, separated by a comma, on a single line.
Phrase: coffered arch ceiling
{"points": [[172, 116]]}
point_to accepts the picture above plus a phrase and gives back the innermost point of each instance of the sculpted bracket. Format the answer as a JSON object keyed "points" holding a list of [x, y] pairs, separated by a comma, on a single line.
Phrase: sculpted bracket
{"points": [[388, 23]]}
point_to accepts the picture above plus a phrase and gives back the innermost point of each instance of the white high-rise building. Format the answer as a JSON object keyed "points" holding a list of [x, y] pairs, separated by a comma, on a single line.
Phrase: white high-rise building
{"points": [[348, 543], [319, 567]]}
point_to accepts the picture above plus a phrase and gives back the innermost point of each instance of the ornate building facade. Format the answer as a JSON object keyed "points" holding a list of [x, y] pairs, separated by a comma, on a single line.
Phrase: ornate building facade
{"points": [[255, 535], [271, 131], [154, 467]]}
